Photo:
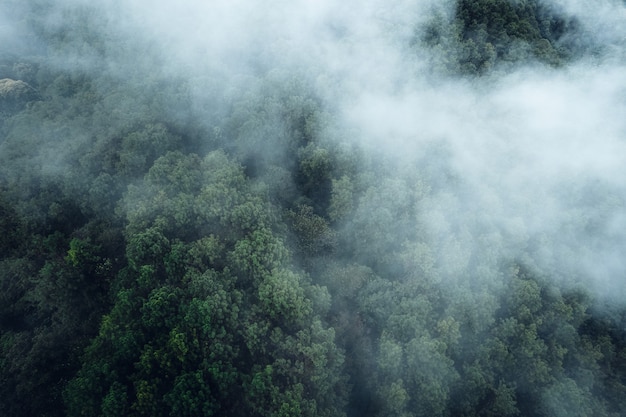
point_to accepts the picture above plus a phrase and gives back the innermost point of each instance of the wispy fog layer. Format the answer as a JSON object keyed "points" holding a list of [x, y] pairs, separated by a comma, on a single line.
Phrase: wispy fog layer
{"points": [[535, 154], [538, 153]]}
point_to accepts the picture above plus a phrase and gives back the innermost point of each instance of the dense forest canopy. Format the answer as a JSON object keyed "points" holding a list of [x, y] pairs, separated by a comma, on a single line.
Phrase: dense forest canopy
{"points": [[312, 208]]}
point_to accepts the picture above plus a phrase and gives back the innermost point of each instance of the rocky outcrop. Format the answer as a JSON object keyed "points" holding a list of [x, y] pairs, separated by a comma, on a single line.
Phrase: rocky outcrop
{"points": [[14, 94]]}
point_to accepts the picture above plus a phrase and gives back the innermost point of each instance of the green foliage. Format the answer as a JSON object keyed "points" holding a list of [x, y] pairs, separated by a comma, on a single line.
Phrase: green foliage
{"points": [[342, 200], [9, 227], [487, 34], [139, 149], [114, 404], [313, 234], [314, 174], [191, 397], [193, 312], [147, 248], [281, 297], [81, 253]]}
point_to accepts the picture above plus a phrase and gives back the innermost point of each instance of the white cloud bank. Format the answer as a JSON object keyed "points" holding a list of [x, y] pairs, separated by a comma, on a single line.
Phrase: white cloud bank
{"points": [[538, 150]]}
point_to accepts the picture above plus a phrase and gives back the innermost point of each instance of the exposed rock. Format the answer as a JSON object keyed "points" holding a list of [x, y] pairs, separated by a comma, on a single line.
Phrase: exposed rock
{"points": [[14, 94]]}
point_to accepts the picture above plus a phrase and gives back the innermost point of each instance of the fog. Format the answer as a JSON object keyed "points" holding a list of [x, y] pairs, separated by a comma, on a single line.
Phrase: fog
{"points": [[538, 149]]}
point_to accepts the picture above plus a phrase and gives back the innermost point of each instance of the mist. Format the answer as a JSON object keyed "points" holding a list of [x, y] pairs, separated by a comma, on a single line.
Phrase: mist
{"points": [[437, 207], [534, 146]]}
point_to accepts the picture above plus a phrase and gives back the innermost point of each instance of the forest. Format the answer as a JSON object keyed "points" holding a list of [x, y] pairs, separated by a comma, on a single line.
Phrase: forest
{"points": [[312, 208]]}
